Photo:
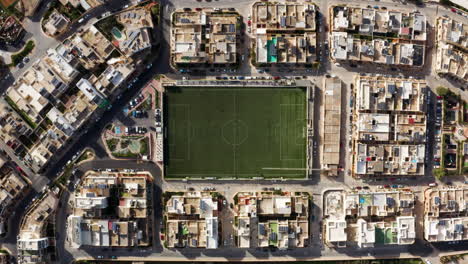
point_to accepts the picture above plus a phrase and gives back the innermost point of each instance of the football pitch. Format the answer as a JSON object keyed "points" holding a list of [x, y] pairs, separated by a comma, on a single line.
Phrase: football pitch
{"points": [[235, 132]]}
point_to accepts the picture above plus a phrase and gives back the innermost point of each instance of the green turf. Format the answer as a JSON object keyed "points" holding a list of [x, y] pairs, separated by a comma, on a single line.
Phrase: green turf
{"points": [[379, 235], [235, 132]]}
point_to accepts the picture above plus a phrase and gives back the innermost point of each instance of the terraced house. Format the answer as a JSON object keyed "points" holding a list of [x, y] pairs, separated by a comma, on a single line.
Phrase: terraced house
{"points": [[192, 220], [452, 48], [284, 32], [204, 36], [390, 128], [446, 214], [367, 219], [111, 210], [386, 37], [272, 219]]}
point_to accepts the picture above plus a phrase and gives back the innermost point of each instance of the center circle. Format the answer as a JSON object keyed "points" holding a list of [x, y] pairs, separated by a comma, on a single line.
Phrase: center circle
{"points": [[235, 132]]}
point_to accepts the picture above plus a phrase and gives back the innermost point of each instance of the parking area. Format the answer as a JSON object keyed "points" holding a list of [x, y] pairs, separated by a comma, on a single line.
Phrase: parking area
{"points": [[135, 131]]}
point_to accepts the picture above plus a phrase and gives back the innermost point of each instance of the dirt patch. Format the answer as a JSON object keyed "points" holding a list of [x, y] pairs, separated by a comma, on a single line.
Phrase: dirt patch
{"points": [[7, 3], [29, 6]]}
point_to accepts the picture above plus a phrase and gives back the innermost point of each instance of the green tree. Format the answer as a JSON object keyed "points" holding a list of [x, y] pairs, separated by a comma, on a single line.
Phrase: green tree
{"points": [[439, 173], [442, 91], [155, 13]]}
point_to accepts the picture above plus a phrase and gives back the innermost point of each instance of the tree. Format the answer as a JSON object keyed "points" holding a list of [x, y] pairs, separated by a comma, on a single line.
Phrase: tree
{"points": [[446, 2], [155, 13], [439, 173], [442, 91]]}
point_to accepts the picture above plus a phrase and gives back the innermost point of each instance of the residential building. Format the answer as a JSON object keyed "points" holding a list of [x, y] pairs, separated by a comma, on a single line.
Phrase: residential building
{"points": [[385, 37], [281, 219], [389, 159], [292, 48], [446, 214], [390, 126], [452, 48], [32, 239], [112, 77], [13, 187], [204, 36], [90, 48], [110, 210], [284, 16], [366, 219], [93, 50], [192, 220], [91, 92], [136, 35], [47, 77], [13, 128], [284, 32], [56, 23], [399, 232], [344, 46]]}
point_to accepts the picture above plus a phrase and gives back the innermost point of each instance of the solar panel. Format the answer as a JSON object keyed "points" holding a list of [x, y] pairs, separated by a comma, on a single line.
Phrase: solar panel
{"points": [[261, 229], [273, 236]]}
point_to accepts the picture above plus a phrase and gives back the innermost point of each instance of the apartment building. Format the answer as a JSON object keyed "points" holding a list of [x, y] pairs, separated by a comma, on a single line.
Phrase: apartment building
{"points": [[280, 218], [136, 35], [390, 126], [93, 50], [452, 48], [13, 188], [446, 214], [110, 210], [366, 219], [13, 128], [56, 23], [32, 240], [377, 36], [284, 32], [192, 220], [47, 77], [205, 36]]}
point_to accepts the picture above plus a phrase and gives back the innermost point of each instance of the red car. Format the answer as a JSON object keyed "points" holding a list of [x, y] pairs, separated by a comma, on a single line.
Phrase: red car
{"points": [[18, 168], [453, 10], [249, 23]]}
